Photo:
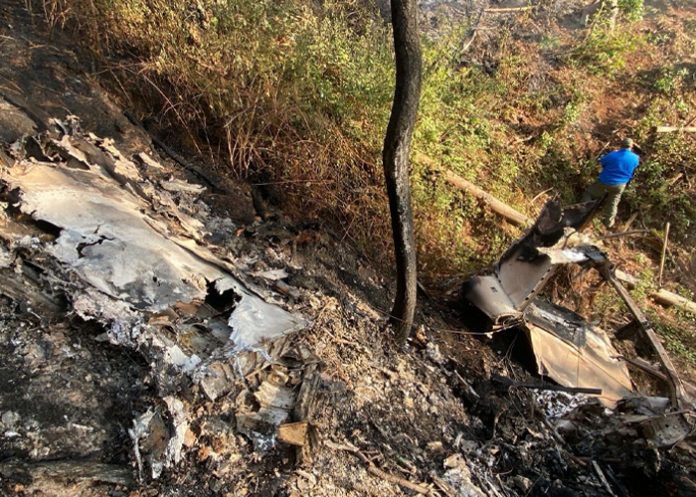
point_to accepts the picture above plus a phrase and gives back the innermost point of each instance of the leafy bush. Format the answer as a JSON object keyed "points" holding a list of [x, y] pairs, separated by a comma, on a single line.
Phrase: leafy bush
{"points": [[632, 9], [605, 51]]}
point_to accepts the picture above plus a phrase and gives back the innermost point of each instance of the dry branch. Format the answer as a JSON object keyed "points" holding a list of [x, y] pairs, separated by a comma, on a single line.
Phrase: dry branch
{"points": [[671, 129], [505, 10], [663, 256], [375, 471], [211, 182]]}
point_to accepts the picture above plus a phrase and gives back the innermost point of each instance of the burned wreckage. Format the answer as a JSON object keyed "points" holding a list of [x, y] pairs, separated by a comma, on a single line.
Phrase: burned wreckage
{"points": [[88, 234], [567, 348]]}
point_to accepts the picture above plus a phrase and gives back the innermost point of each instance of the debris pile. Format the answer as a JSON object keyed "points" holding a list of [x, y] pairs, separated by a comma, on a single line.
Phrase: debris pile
{"points": [[125, 252], [567, 348]]}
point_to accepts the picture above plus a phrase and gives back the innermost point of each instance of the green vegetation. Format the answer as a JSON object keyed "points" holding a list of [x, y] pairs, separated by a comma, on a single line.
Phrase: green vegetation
{"points": [[678, 335], [300, 93]]}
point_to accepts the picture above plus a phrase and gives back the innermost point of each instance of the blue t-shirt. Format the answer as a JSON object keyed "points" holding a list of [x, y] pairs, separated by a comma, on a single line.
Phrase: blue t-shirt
{"points": [[618, 167]]}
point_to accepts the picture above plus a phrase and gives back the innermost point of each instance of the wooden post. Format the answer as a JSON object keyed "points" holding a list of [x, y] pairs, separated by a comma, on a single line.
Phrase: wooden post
{"points": [[664, 254]]}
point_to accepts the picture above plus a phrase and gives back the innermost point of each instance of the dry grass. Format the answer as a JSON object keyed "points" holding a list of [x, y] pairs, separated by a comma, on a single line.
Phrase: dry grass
{"points": [[288, 93]]}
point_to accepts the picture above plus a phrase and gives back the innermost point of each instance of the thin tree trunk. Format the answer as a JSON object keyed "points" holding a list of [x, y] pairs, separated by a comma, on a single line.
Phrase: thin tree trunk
{"points": [[613, 8], [396, 163]]}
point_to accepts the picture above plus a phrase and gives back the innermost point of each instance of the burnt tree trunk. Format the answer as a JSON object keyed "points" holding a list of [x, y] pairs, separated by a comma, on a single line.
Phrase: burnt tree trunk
{"points": [[396, 164]]}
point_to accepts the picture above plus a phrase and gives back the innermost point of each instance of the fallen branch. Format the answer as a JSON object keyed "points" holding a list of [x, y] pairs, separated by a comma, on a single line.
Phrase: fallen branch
{"points": [[513, 216], [624, 233], [671, 129], [602, 478], [663, 255], [215, 185], [375, 471], [504, 10]]}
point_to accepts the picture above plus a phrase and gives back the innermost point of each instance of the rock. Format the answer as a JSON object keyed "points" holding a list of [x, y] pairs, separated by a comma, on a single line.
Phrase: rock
{"points": [[468, 446], [189, 438], [433, 352], [565, 426], [435, 446], [459, 477], [10, 419], [454, 461], [522, 483]]}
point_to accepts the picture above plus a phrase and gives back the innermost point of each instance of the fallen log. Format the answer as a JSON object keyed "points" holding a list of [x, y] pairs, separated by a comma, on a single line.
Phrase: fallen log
{"points": [[671, 129], [660, 296], [513, 216], [506, 10]]}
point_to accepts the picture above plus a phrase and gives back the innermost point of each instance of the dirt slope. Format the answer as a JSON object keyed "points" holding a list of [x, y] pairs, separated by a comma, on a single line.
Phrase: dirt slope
{"points": [[433, 415]]}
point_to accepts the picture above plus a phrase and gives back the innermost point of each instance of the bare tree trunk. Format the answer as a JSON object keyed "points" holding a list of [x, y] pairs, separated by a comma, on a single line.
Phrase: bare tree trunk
{"points": [[396, 163]]}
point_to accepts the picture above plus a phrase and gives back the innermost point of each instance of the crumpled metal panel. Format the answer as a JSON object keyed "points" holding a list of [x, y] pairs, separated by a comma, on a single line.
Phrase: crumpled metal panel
{"points": [[574, 353], [567, 348], [526, 266], [108, 236]]}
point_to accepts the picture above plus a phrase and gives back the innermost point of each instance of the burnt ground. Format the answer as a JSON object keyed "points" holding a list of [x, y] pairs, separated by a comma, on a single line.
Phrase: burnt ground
{"points": [[433, 414]]}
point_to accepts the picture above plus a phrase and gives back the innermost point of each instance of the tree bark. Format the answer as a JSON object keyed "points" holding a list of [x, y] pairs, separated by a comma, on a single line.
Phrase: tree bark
{"points": [[396, 162]]}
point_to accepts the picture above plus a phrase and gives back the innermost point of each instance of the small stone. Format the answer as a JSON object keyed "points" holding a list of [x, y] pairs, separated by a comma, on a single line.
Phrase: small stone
{"points": [[565, 426], [10, 419], [204, 453], [215, 485], [522, 483], [433, 352], [468, 446], [189, 438], [454, 461], [435, 446]]}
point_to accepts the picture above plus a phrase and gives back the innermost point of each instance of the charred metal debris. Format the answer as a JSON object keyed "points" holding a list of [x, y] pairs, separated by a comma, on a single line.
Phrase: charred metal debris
{"points": [[85, 233], [568, 349]]}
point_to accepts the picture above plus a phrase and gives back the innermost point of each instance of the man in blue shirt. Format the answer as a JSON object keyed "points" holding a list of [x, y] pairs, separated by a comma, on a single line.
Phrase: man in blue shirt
{"points": [[617, 170]]}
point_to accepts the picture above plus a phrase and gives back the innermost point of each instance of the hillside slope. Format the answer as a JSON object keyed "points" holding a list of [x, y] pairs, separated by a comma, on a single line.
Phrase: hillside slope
{"points": [[122, 384]]}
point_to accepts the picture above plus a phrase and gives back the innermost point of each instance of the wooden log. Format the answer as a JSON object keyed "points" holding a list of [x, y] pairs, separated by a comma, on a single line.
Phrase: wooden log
{"points": [[513, 216], [672, 129], [660, 296]]}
